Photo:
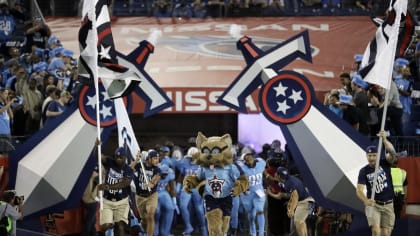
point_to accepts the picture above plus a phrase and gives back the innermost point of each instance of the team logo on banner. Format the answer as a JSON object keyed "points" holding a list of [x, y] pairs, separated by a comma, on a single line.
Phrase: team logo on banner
{"points": [[87, 106], [286, 98]]}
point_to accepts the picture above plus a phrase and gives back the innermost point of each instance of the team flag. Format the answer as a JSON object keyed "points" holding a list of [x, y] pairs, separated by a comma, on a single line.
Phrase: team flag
{"points": [[378, 59], [88, 39], [405, 37], [126, 136], [98, 50]]}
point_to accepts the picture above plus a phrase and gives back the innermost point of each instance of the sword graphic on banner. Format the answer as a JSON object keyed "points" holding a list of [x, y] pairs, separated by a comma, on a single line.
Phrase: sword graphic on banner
{"points": [[312, 131], [257, 62], [155, 98]]}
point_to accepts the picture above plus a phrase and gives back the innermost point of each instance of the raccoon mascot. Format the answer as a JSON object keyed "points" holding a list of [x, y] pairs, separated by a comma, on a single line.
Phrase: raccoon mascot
{"points": [[218, 179]]}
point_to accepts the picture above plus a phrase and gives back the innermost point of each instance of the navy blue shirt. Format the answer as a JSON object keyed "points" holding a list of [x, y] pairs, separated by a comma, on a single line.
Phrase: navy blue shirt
{"points": [[115, 174], [140, 181], [384, 189], [293, 183]]}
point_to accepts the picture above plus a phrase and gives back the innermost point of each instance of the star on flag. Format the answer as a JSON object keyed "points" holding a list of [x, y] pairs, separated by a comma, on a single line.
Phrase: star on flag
{"points": [[104, 53]]}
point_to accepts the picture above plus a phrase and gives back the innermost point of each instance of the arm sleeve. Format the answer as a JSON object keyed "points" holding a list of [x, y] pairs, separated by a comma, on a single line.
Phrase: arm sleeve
{"points": [[361, 179]]}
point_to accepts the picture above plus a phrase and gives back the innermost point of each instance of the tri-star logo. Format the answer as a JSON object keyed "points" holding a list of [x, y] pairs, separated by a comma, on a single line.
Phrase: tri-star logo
{"points": [[285, 98], [87, 106]]}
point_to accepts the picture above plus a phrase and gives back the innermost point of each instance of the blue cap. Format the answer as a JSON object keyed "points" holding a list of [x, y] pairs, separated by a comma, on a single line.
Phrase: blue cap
{"points": [[53, 40], [121, 152], [401, 62], [40, 66], [371, 149], [68, 53], [282, 172], [152, 153], [164, 169], [358, 57], [345, 99], [357, 80], [165, 149], [57, 50], [39, 51]]}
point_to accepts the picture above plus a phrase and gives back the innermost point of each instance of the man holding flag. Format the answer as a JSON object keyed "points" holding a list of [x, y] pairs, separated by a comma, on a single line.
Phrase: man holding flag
{"points": [[116, 190], [376, 68], [379, 210]]}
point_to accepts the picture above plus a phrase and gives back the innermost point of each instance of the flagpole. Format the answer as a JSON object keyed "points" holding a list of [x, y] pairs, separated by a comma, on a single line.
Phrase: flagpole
{"points": [[393, 41], [98, 118], [35, 4], [98, 130], [375, 177]]}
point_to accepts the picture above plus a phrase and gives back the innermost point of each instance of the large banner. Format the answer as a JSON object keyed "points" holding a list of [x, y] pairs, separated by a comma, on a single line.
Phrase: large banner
{"points": [[200, 53]]}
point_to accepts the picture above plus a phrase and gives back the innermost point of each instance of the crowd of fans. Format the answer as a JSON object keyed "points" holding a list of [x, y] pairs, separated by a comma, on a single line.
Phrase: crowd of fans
{"points": [[242, 8], [37, 72], [362, 105]]}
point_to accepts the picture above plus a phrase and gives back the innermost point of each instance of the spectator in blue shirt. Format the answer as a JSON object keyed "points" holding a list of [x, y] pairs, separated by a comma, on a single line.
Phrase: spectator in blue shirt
{"points": [[57, 107], [7, 25]]}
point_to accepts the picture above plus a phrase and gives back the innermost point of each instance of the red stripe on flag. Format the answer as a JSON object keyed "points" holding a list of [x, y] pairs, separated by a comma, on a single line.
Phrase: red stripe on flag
{"points": [[103, 34], [408, 32]]}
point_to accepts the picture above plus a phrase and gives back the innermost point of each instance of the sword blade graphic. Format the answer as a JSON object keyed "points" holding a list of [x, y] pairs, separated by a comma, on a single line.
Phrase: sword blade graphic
{"points": [[276, 58]]}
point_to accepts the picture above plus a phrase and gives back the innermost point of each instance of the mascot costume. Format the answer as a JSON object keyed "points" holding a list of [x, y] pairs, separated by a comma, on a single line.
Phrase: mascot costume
{"points": [[217, 179]]}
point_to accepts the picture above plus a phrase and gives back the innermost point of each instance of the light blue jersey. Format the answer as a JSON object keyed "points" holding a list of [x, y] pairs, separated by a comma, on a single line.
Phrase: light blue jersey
{"points": [[165, 209], [193, 202], [219, 180], [253, 200], [162, 183], [187, 167], [255, 174], [168, 161]]}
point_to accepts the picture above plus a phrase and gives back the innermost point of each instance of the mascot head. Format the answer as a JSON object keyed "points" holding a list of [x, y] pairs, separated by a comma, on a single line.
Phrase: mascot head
{"points": [[214, 151]]}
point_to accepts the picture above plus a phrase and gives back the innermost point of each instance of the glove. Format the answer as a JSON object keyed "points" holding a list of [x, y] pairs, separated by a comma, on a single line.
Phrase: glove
{"points": [[175, 205], [236, 190], [240, 185], [201, 188]]}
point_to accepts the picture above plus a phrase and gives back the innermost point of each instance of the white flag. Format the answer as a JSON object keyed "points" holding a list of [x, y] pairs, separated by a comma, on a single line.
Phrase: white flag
{"points": [[88, 39], [126, 136], [378, 59]]}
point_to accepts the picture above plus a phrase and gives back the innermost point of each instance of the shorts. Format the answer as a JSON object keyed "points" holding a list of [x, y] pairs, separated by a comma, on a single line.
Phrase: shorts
{"points": [[114, 211], [224, 204], [382, 215], [145, 204], [303, 209]]}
